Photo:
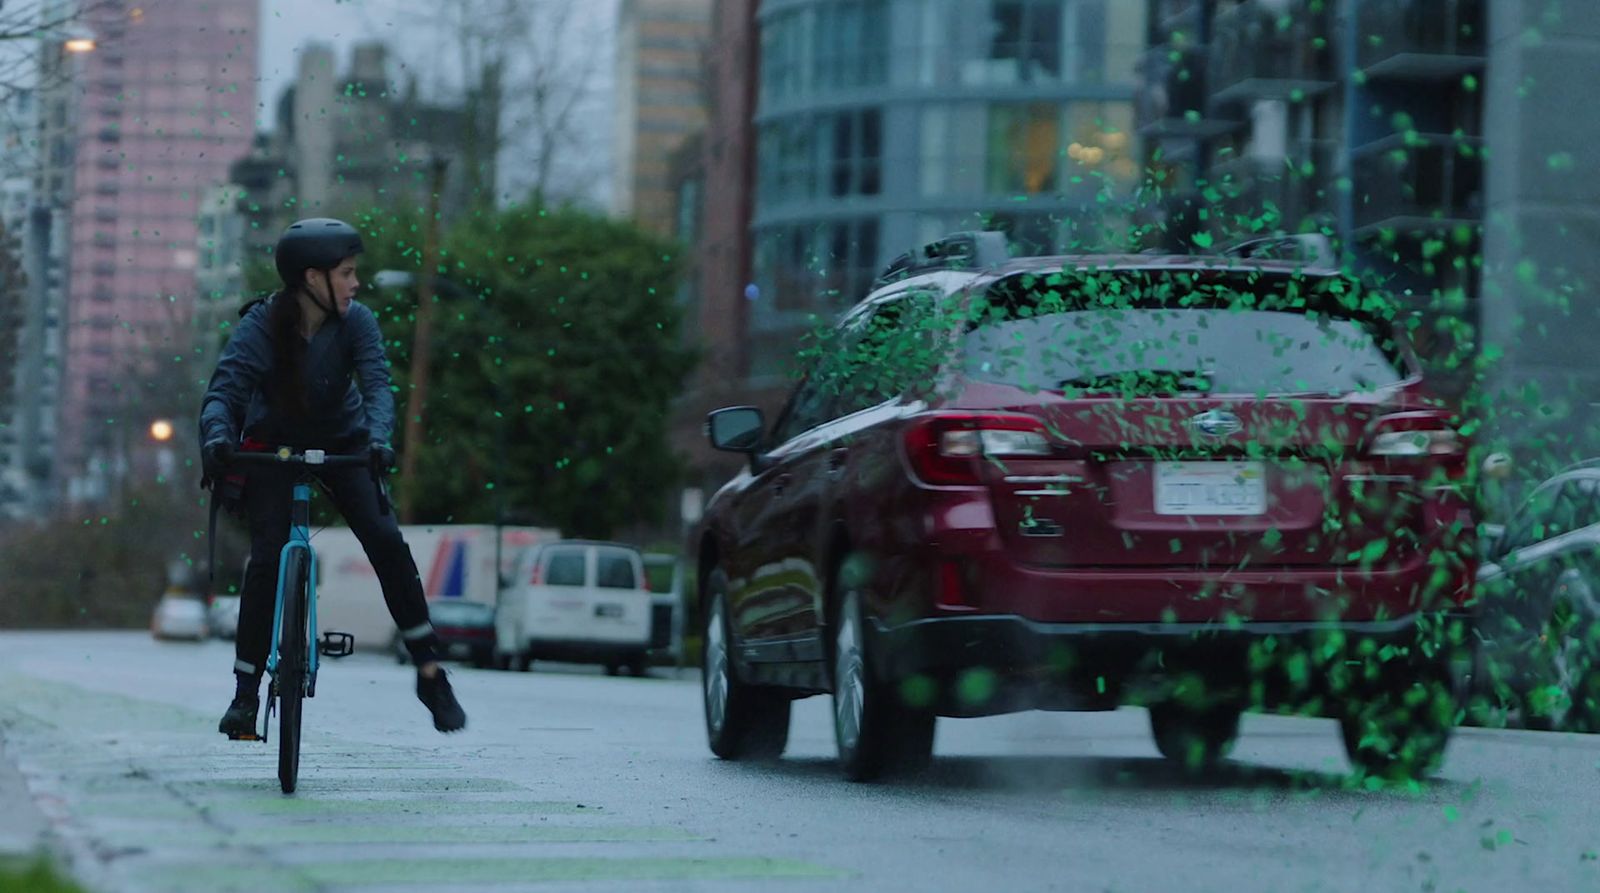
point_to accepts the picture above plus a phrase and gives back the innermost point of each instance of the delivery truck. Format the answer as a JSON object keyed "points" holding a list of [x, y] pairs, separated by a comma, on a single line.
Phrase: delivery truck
{"points": [[455, 561]]}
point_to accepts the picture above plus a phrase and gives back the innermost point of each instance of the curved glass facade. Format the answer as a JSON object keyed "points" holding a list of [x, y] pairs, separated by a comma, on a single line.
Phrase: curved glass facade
{"points": [[882, 124]]}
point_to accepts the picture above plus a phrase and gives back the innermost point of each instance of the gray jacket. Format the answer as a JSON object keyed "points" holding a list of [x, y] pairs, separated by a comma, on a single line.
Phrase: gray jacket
{"points": [[347, 386]]}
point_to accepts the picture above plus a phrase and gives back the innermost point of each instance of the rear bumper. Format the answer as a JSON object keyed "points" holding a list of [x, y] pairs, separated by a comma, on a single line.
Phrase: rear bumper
{"points": [[1015, 663]]}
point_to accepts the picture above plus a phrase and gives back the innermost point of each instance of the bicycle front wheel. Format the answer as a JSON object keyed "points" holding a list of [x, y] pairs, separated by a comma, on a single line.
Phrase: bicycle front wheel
{"points": [[293, 663]]}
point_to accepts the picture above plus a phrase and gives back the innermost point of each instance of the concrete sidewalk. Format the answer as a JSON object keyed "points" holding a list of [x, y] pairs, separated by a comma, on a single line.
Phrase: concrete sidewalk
{"points": [[22, 825]]}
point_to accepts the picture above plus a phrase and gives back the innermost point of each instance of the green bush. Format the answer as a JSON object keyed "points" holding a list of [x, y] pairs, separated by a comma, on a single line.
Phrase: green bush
{"points": [[33, 876]]}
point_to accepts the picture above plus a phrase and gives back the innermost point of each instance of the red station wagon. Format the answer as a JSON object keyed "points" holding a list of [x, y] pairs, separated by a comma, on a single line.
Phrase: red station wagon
{"points": [[1198, 484]]}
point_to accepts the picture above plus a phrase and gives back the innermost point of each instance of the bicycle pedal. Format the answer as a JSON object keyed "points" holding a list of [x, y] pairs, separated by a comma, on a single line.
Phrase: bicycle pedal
{"points": [[336, 645]]}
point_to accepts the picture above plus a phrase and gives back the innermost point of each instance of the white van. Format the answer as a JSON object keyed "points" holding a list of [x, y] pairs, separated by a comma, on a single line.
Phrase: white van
{"points": [[576, 600]]}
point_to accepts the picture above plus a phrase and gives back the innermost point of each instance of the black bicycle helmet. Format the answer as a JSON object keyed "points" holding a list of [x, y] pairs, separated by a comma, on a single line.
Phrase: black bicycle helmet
{"points": [[317, 243]]}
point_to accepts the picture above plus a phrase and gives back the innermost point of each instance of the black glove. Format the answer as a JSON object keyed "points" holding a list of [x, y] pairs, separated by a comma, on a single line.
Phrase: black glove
{"points": [[382, 456], [215, 456]]}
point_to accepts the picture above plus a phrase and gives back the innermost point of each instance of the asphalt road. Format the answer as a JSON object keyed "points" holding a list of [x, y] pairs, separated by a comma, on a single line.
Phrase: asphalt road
{"points": [[569, 780]]}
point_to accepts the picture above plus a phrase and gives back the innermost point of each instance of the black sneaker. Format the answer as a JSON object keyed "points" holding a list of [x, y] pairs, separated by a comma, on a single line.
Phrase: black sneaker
{"points": [[239, 723], [440, 700]]}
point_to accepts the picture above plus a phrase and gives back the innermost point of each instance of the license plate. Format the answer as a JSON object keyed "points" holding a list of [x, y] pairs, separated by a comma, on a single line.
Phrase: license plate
{"points": [[608, 610], [1211, 488]]}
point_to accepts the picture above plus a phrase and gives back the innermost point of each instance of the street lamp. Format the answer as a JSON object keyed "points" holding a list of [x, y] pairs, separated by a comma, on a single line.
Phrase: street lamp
{"points": [[161, 430]]}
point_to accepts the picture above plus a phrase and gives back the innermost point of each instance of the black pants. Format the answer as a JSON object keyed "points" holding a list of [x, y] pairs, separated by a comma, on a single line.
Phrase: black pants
{"points": [[268, 497]]}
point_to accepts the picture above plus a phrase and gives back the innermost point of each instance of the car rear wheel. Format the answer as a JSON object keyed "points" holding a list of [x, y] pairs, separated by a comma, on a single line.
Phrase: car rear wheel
{"points": [[1196, 739], [875, 731], [1400, 731], [742, 721]]}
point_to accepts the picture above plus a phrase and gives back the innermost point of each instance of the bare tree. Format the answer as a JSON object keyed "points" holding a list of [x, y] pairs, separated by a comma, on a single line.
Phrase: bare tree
{"points": [[527, 67]]}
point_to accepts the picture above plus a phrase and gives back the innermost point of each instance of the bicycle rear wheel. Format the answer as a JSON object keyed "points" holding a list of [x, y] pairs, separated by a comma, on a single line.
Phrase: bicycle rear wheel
{"points": [[293, 664]]}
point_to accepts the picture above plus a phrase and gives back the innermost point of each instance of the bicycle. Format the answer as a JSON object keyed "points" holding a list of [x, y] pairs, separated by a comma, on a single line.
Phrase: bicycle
{"points": [[291, 662]]}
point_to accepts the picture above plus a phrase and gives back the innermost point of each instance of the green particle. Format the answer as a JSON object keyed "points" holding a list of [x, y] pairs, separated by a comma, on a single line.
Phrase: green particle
{"points": [[977, 686], [1560, 161], [918, 691]]}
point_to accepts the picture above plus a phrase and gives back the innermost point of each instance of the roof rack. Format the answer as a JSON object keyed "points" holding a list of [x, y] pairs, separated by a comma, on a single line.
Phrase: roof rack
{"points": [[1312, 248], [957, 251]]}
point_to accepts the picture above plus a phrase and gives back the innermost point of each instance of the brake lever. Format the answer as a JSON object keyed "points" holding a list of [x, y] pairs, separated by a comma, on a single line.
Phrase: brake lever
{"points": [[377, 484]]}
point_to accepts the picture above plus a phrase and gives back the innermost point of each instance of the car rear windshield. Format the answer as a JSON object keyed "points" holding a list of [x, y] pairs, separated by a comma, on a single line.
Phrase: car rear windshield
{"points": [[614, 570], [565, 568], [1146, 338]]}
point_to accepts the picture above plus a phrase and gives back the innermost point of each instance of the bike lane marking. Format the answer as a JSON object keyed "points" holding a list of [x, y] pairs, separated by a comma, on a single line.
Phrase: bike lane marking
{"points": [[142, 799]]}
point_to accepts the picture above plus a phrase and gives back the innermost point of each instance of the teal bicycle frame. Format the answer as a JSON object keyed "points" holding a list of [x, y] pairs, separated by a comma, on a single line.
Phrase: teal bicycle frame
{"points": [[299, 538]]}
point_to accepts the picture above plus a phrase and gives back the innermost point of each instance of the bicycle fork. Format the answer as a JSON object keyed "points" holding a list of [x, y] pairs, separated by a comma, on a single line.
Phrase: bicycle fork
{"points": [[299, 538]]}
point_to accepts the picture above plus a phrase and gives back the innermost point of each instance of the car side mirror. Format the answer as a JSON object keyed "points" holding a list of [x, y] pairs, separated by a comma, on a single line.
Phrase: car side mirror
{"points": [[736, 429]]}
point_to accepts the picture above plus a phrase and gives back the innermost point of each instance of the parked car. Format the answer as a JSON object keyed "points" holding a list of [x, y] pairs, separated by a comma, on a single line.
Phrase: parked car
{"points": [[465, 630], [222, 615], [1202, 484], [179, 615], [1539, 607], [579, 601]]}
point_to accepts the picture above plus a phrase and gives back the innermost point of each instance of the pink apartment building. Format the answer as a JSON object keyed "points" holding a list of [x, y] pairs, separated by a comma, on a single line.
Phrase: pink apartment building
{"points": [[167, 101]]}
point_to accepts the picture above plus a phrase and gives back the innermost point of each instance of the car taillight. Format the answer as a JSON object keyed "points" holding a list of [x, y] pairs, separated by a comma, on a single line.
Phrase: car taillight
{"points": [[1418, 435], [538, 575], [946, 449]]}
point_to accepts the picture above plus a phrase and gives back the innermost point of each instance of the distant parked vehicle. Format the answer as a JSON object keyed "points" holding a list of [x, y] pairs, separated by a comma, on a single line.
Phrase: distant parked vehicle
{"points": [[180, 615], [465, 630], [223, 616], [664, 576], [579, 601]]}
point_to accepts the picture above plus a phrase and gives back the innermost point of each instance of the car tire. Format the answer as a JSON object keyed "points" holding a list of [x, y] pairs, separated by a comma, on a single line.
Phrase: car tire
{"points": [[876, 733], [1400, 731], [743, 721], [1193, 738]]}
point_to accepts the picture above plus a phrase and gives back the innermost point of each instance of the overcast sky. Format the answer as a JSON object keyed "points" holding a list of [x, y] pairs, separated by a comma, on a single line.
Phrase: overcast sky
{"points": [[288, 25]]}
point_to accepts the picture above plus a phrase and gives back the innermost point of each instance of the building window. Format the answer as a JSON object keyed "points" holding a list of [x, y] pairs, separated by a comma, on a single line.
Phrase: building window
{"points": [[1024, 143], [819, 268], [1026, 45], [854, 51], [854, 144]]}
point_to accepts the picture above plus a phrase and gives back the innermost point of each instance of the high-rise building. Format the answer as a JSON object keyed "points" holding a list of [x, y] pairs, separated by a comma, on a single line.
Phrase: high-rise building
{"points": [[219, 269], [353, 141], [841, 134], [1358, 119], [661, 94], [168, 100], [716, 192], [1541, 255], [885, 124], [48, 162]]}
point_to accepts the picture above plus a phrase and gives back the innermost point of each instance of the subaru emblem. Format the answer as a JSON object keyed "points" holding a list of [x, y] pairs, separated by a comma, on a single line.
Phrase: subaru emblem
{"points": [[1216, 423]]}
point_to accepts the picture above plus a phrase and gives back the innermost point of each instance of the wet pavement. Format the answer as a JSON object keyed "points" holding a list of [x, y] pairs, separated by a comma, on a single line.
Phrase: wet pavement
{"points": [[566, 779]]}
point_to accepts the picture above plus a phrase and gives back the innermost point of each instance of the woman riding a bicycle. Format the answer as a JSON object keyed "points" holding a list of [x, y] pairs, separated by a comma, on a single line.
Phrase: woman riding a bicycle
{"points": [[305, 368]]}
